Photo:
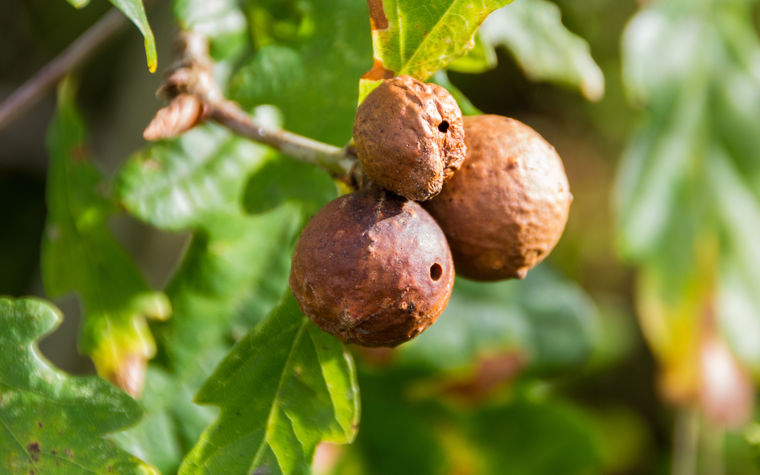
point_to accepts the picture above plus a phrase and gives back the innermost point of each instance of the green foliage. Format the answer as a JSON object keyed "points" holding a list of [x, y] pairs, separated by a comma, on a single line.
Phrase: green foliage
{"points": [[483, 319], [273, 386], [304, 391], [52, 422], [688, 190], [311, 77], [403, 432], [419, 38], [533, 32], [79, 253], [181, 184]]}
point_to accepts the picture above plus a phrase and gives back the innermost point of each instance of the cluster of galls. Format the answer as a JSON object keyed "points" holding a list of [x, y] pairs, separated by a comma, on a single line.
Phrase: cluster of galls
{"points": [[375, 267]]}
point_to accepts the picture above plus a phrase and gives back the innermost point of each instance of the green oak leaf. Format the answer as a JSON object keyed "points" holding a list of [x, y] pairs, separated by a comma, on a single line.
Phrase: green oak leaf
{"points": [[79, 3], [311, 73], [227, 279], [545, 49], [419, 38], [80, 255], [171, 423], [177, 184], [232, 275], [236, 266], [481, 58], [283, 389], [52, 422]]}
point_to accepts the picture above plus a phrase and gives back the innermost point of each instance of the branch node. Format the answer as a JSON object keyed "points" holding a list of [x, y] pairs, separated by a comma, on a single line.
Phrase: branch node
{"points": [[194, 95]]}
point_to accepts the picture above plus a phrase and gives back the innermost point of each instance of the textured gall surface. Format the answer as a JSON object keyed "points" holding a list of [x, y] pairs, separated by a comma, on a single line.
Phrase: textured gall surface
{"points": [[372, 268], [506, 208], [409, 137]]}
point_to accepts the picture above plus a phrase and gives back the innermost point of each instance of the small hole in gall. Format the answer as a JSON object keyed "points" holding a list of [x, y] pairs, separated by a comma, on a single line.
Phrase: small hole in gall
{"points": [[443, 126], [436, 271]]}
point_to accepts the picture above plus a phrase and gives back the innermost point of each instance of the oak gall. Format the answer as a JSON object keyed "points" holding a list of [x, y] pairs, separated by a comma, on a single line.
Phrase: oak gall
{"points": [[372, 268], [506, 208], [409, 137]]}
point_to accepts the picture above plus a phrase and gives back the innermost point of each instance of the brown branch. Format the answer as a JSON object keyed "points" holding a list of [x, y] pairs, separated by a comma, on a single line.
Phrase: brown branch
{"points": [[191, 77], [333, 159], [73, 56]]}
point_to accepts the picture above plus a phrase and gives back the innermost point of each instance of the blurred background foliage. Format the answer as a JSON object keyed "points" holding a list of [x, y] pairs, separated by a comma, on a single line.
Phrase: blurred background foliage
{"points": [[601, 361]]}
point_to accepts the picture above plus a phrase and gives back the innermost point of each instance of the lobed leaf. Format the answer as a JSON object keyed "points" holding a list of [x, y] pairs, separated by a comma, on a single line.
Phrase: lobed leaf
{"points": [[419, 38], [294, 386], [51, 422]]}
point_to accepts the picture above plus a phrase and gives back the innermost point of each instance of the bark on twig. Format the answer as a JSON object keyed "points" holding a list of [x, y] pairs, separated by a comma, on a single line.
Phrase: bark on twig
{"points": [[73, 56]]}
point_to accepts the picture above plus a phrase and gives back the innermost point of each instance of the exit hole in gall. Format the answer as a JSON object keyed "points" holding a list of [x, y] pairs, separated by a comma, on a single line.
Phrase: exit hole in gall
{"points": [[443, 126], [436, 271]]}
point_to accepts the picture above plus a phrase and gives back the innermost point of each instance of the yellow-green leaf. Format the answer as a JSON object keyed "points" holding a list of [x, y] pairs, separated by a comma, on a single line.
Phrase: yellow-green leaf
{"points": [[419, 38], [80, 255], [294, 386], [135, 11]]}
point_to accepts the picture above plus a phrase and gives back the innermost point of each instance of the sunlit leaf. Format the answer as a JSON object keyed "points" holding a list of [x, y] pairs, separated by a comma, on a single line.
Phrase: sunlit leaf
{"points": [[53, 422], [479, 59], [233, 272], [419, 38], [135, 11], [294, 386]]}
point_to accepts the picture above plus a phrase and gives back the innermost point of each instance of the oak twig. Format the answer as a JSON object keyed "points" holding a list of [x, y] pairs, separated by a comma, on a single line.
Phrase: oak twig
{"points": [[194, 97], [73, 56]]}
